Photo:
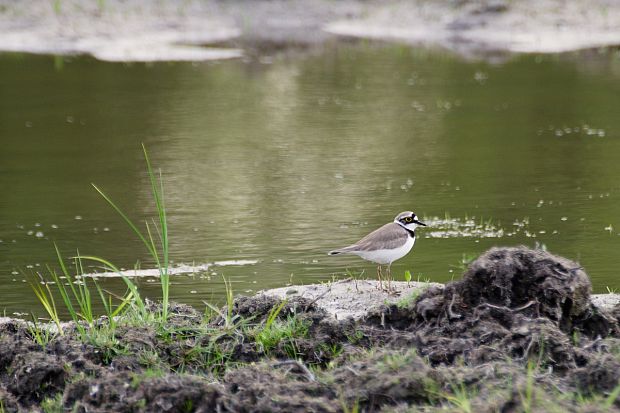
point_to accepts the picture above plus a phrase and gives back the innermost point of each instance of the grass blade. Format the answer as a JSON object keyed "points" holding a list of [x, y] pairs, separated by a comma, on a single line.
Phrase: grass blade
{"points": [[137, 299], [46, 298], [126, 218]]}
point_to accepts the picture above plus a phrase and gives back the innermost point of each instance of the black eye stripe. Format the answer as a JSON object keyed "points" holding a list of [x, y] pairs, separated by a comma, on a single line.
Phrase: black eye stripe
{"points": [[409, 220]]}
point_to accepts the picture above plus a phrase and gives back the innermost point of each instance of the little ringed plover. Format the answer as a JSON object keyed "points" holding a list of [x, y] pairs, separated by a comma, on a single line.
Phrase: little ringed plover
{"points": [[387, 244]]}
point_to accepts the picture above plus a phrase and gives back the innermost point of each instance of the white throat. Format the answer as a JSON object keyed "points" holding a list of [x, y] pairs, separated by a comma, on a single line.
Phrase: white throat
{"points": [[408, 227]]}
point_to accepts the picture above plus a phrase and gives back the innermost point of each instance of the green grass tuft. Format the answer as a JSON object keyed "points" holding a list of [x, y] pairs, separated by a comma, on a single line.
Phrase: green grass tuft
{"points": [[230, 321], [159, 251], [53, 404], [41, 334]]}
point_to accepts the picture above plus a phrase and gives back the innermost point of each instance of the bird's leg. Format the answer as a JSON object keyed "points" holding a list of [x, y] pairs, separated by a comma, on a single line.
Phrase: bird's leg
{"points": [[389, 277], [379, 275]]}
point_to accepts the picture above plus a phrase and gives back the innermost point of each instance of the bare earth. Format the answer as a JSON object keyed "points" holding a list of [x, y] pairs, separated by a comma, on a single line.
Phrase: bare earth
{"points": [[143, 30]]}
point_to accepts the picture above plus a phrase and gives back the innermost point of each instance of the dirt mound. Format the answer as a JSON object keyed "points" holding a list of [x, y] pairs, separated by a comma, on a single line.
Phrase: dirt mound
{"points": [[512, 303], [277, 387], [316, 336], [387, 377], [30, 373], [532, 282], [259, 307], [127, 392], [178, 314]]}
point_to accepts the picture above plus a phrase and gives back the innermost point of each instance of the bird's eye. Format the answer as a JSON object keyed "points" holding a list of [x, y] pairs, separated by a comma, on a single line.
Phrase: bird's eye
{"points": [[408, 219]]}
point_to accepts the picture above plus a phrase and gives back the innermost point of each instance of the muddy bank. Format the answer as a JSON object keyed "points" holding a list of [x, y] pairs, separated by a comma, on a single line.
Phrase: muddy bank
{"points": [[489, 27], [138, 30], [355, 297], [518, 332]]}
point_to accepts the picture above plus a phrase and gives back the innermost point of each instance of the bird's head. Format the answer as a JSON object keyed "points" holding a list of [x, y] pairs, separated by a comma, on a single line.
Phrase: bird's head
{"points": [[409, 220]]}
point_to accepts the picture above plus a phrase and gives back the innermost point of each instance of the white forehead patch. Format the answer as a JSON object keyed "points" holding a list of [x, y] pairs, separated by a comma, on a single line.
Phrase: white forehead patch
{"points": [[404, 214]]}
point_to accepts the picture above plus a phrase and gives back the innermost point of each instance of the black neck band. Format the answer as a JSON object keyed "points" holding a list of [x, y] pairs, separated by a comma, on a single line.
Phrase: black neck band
{"points": [[410, 231]]}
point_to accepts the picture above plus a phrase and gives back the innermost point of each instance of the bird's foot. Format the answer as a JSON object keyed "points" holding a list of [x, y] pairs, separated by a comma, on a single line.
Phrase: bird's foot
{"points": [[393, 292], [388, 289]]}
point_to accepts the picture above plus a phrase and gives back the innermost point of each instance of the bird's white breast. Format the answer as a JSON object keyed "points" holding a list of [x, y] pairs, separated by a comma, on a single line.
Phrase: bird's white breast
{"points": [[386, 256]]}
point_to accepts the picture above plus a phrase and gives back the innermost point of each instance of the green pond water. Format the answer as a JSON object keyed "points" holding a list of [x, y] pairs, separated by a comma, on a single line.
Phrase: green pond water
{"points": [[270, 163]]}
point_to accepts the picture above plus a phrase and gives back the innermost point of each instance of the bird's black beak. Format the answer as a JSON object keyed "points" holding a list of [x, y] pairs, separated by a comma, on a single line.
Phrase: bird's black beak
{"points": [[420, 223]]}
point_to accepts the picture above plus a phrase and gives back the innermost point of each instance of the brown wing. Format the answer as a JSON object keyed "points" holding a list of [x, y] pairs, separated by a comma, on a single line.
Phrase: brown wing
{"points": [[388, 236]]}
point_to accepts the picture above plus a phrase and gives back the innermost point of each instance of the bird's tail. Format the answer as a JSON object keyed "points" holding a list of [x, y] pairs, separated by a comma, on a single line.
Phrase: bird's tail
{"points": [[345, 250]]}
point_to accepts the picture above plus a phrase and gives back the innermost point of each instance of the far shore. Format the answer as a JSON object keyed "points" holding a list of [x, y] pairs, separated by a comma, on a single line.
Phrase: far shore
{"points": [[143, 31]]}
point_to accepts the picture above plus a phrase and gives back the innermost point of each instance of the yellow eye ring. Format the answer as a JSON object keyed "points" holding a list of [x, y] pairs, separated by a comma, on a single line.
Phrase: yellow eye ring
{"points": [[408, 219]]}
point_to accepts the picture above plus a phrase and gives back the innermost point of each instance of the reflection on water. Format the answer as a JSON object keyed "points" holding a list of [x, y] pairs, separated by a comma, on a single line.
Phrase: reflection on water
{"points": [[201, 270], [279, 163]]}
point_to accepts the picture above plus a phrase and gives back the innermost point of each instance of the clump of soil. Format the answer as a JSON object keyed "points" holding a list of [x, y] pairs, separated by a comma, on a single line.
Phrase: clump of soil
{"points": [[533, 283], [125, 392], [512, 303], [520, 322]]}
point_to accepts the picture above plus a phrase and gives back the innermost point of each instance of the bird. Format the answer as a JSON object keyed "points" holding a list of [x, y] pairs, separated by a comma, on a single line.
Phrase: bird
{"points": [[387, 244]]}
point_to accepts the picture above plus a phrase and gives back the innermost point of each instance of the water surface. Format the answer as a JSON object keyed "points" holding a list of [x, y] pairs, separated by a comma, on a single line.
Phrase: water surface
{"points": [[276, 161]]}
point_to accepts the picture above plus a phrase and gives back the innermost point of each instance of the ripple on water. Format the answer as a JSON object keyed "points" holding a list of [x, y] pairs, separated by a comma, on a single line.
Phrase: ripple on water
{"points": [[472, 227]]}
